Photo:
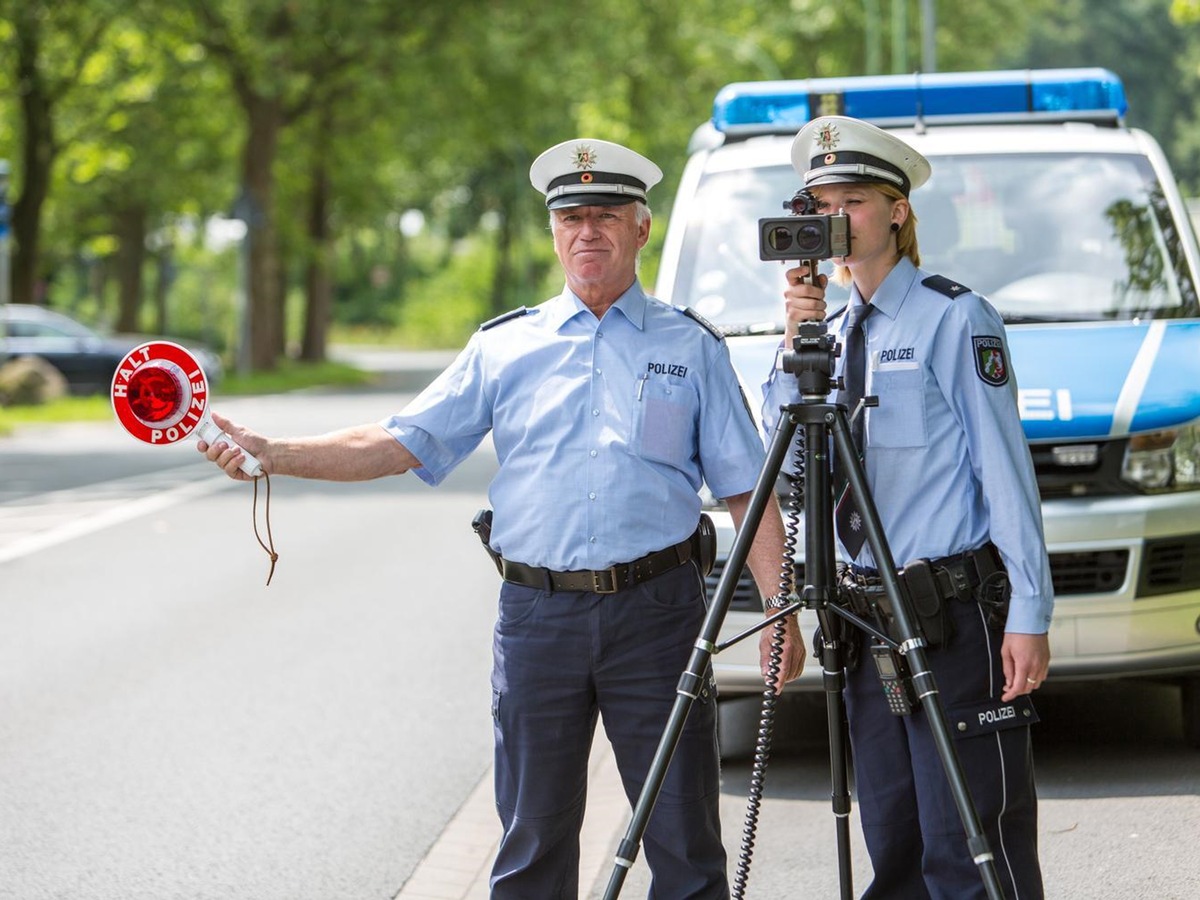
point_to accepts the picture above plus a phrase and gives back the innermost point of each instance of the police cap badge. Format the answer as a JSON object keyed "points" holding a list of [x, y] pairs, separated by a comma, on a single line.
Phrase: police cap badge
{"points": [[839, 149], [590, 172]]}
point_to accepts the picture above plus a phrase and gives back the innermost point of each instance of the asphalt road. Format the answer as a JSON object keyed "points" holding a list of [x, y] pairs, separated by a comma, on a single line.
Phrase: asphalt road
{"points": [[170, 727]]}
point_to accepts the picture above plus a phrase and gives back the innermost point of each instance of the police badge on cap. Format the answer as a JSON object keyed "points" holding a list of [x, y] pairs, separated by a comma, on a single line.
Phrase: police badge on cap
{"points": [[839, 149], [589, 172]]}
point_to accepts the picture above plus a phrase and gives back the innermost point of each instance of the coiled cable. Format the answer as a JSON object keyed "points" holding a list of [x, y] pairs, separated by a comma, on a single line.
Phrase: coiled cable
{"points": [[770, 697]]}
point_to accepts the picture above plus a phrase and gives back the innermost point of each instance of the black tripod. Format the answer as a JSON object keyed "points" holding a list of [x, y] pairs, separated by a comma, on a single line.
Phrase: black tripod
{"points": [[811, 361]]}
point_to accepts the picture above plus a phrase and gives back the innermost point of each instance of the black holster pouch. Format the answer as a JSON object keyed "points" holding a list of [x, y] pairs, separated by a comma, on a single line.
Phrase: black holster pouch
{"points": [[865, 596], [926, 601], [977, 576], [704, 545], [482, 525], [994, 594], [849, 638]]}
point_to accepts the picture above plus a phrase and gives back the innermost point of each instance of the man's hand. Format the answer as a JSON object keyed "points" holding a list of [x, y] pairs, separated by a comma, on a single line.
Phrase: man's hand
{"points": [[1026, 659], [794, 652], [229, 458]]}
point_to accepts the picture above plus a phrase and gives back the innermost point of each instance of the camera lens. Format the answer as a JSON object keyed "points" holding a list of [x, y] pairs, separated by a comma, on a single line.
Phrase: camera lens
{"points": [[810, 238], [780, 239]]}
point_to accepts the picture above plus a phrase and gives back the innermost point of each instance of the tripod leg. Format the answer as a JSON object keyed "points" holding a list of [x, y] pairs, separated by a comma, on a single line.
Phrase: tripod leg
{"points": [[692, 679], [834, 678], [912, 645], [821, 590]]}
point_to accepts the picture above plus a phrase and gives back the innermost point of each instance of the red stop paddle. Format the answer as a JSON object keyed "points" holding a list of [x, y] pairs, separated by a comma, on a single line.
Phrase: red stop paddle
{"points": [[160, 396]]}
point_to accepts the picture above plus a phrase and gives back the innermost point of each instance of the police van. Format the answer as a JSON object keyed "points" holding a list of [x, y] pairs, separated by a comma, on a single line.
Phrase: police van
{"points": [[1072, 225]]}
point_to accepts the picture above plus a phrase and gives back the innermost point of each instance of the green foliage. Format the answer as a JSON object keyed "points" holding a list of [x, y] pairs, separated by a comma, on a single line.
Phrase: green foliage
{"points": [[67, 409], [452, 300], [405, 105], [1156, 53], [292, 376]]}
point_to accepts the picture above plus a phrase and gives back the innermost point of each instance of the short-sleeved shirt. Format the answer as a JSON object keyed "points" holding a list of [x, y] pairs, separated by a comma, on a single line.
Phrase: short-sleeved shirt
{"points": [[604, 430], [945, 455]]}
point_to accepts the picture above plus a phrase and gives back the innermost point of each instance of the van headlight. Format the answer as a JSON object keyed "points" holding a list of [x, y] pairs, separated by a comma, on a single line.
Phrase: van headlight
{"points": [[1164, 460]]}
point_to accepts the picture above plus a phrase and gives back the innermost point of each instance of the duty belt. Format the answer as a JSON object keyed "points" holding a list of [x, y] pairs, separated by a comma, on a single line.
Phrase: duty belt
{"points": [[601, 581], [957, 576]]}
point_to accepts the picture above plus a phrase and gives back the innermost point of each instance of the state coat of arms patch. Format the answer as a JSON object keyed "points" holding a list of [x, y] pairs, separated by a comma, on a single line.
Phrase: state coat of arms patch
{"points": [[990, 364]]}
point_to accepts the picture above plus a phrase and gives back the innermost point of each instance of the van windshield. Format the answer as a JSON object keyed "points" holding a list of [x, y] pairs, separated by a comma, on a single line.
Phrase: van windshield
{"points": [[1070, 237]]}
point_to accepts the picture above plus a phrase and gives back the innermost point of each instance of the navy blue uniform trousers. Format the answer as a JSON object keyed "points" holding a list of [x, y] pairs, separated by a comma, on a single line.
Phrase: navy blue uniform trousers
{"points": [[561, 659], [912, 827]]}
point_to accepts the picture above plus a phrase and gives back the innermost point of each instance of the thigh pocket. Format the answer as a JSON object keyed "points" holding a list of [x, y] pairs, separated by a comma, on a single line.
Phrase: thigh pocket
{"points": [[989, 716]]}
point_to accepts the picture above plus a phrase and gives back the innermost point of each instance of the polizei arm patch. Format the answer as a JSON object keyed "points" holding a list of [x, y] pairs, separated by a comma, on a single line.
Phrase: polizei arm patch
{"points": [[990, 364]]}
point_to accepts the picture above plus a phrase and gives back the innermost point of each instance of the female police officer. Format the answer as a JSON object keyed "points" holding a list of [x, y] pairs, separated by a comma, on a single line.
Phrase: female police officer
{"points": [[607, 409], [951, 475]]}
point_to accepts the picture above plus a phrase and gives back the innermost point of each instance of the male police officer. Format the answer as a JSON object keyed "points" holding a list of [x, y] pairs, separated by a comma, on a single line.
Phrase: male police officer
{"points": [[950, 472], [607, 409]]}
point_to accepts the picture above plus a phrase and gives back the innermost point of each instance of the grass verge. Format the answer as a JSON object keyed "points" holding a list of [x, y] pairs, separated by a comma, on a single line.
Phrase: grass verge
{"points": [[290, 376]]}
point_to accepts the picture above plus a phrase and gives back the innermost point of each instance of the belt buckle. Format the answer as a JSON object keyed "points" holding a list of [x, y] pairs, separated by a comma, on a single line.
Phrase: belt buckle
{"points": [[597, 581]]}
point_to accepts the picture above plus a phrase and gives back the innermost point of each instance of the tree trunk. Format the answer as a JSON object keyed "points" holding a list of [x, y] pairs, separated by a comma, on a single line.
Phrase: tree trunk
{"points": [[37, 158], [318, 280], [164, 265], [264, 118], [502, 277], [130, 226]]}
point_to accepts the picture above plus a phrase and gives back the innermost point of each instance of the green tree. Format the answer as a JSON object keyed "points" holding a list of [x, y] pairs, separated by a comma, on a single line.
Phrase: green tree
{"points": [[50, 47], [287, 59], [157, 156], [1155, 57]]}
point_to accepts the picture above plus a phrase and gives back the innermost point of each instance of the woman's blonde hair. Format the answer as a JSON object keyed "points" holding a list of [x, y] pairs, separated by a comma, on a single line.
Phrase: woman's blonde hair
{"points": [[906, 237]]}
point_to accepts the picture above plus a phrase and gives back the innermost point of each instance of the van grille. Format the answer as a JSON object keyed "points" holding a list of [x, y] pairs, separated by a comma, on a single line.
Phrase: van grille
{"points": [[1170, 565], [1095, 572]]}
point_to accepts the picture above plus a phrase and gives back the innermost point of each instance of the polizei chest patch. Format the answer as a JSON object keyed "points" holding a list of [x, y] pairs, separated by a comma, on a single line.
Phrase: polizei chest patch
{"points": [[990, 364]]}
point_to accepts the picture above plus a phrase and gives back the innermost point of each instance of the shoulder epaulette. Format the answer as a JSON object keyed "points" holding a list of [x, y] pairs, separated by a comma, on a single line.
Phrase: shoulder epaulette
{"points": [[692, 314], [504, 317], [944, 285], [833, 315]]}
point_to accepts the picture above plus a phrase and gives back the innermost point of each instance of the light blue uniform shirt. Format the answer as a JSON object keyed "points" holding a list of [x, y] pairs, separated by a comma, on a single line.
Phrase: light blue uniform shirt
{"points": [[946, 457], [604, 429]]}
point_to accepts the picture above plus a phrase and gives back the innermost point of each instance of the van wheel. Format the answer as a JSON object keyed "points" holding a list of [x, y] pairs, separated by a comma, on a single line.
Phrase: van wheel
{"points": [[1191, 711]]}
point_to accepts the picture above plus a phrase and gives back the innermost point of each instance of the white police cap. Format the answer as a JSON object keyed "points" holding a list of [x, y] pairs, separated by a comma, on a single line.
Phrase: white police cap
{"points": [[839, 149], [589, 172]]}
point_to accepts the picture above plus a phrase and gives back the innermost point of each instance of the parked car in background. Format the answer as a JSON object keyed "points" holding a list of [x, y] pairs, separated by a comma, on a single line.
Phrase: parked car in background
{"points": [[1072, 225], [86, 358]]}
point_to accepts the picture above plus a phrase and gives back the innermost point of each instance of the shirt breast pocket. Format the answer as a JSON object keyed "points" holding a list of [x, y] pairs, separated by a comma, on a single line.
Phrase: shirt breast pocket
{"points": [[664, 421], [899, 419]]}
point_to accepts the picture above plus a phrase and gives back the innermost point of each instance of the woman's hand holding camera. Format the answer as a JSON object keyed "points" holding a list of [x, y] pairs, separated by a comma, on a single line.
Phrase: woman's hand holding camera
{"points": [[804, 301]]}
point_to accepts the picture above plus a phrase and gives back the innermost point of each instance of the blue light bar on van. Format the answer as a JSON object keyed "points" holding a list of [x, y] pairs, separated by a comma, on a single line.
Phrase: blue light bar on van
{"points": [[1054, 95]]}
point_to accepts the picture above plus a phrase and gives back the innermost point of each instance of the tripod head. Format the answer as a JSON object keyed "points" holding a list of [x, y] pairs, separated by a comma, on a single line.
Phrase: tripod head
{"points": [[811, 360]]}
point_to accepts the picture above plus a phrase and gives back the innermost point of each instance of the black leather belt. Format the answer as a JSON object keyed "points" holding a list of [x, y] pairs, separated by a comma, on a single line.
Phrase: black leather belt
{"points": [[957, 575], [602, 581]]}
